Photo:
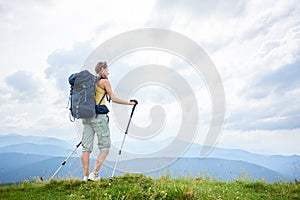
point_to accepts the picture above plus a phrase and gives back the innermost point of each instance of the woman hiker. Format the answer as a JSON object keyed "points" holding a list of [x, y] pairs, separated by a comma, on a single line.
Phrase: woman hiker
{"points": [[98, 125]]}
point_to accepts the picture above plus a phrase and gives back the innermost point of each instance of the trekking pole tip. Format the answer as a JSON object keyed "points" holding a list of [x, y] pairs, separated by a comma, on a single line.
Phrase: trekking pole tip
{"points": [[111, 179]]}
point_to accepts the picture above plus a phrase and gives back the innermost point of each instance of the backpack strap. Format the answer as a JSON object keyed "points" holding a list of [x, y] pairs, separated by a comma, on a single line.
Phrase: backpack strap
{"points": [[97, 78], [69, 104], [102, 98]]}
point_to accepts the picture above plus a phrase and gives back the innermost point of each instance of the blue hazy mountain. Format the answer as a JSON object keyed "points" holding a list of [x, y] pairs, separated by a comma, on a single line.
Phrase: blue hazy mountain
{"points": [[30, 167], [38, 149], [12, 139], [287, 165], [24, 157]]}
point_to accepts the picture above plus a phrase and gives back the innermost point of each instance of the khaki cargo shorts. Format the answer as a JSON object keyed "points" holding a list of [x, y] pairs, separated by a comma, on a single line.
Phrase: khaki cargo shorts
{"points": [[96, 126]]}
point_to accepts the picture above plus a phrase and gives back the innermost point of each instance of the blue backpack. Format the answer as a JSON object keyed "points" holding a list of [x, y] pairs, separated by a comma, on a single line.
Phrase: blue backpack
{"points": [[82, 95]]}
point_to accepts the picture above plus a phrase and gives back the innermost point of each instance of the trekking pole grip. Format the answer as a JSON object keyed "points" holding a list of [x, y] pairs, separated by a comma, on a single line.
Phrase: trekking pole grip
{"points": [[136, 102]]}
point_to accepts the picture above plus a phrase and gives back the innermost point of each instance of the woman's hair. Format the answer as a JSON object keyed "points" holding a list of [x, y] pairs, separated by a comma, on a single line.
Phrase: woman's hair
{"points": [[100, 67]]}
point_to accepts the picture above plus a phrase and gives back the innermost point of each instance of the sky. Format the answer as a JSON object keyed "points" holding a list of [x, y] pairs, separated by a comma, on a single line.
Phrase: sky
{"points": [[254, 45]]}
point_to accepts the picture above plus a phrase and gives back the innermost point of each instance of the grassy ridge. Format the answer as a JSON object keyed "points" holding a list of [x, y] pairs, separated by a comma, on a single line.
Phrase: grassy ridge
{"points": [[141, 187]]}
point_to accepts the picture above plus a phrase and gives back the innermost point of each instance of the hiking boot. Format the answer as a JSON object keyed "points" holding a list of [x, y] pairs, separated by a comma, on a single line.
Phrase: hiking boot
{"points": [[85, 178], [93, 176]]}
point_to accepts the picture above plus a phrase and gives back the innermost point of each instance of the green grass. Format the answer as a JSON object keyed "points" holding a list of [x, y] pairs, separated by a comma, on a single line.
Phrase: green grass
{"points": [[139, 187]]}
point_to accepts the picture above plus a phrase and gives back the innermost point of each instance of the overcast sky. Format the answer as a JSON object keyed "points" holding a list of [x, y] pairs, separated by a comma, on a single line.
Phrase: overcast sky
{"points": [[255, 46]]}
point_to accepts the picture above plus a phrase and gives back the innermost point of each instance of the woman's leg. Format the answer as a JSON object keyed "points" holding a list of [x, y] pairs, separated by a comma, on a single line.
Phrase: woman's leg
{"points": [[85, 158], [101, 128], [100, 160], [87, 145]]}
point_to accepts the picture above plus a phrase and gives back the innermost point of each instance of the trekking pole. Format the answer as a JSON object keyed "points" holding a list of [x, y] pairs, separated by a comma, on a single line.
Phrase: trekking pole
{"points": [[65, 161], [121, 148]]}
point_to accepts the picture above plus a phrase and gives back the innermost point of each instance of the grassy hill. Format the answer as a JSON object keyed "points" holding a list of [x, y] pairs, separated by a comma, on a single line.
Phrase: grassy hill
{"points": [[142, 187]]}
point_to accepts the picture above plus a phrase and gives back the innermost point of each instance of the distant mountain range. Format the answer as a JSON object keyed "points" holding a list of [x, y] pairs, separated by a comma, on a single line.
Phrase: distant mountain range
{"points": [[27, 157], [12, 139], [35, 149]]}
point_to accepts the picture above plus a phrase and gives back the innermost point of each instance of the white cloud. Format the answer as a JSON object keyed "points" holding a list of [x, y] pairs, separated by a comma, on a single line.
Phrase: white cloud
{"points": [[254, 45], [264, 97], [49, 41], [24, 86]]}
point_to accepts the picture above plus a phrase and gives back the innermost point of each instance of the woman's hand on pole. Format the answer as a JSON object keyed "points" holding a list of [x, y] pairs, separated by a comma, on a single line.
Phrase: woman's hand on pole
{"points": [[133, 102]]}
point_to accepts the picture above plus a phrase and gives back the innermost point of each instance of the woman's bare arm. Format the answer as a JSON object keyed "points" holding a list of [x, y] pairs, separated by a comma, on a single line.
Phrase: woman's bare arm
{"points": [[105, 84]]}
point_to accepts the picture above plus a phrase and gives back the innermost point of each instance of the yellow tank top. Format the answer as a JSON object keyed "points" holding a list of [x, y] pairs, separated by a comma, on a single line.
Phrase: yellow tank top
{"points": [[99, 94]]}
